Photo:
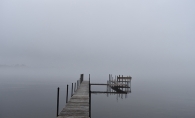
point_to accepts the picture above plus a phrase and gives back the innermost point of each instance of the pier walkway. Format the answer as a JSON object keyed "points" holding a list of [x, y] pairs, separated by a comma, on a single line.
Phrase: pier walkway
{"points": [[78, 105]]}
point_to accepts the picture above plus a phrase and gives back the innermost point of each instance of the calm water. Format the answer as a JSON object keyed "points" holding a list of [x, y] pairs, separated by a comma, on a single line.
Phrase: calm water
{"points": [[32, 93]]}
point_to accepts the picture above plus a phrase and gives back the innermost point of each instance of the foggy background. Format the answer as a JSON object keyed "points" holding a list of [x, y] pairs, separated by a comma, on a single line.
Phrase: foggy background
{"points": [[130, 37], [45, 44]]}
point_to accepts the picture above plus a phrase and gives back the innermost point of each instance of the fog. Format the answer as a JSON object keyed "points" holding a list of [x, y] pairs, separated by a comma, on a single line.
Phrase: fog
{"points": [[136, 37]]}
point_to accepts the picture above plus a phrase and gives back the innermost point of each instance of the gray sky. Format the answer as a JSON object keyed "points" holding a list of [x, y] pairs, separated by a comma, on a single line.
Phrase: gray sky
{"points": [[95, 36]]}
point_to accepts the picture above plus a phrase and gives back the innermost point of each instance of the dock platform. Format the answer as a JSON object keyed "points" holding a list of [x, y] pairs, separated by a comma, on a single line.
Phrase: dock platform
{"points": [[78, 105]]}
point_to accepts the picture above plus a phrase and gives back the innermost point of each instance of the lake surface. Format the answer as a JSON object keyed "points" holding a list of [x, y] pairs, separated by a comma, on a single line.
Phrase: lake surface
{"points": [[31, 93]]}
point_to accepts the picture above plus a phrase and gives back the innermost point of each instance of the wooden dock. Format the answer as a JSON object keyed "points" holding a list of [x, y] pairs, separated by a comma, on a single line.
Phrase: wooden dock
{"points": [[78, 105]]}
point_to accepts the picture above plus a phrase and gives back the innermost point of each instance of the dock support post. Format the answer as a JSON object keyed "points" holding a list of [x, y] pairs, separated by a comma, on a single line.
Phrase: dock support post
{"points": [[81, 78], [122, 82], [77, 84], [72, 90], [89, 97], [107, 86], [57, 101], [130, 85], [74, 86], [67, 94]]}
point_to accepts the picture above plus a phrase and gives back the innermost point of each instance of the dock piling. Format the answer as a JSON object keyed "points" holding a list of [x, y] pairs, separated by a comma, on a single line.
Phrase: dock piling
{"points": [[58, 89], [72, 90], [89, 97], [77, 84], [74, 86], [81, 78], [67, 94], [122, 81]]}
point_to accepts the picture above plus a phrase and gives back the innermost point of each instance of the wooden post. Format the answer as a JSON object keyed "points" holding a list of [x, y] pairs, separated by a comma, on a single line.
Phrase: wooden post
{"points": [[81, 78], [77, 84], [74, 86], [72, 90], [130, 85], [57, 101], [110, 86], [122, 82], [107, 88], [67, 94], [89, 97]]}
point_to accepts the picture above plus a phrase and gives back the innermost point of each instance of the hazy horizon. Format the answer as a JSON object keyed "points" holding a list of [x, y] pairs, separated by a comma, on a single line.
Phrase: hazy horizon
{"points": [[123, 37]]}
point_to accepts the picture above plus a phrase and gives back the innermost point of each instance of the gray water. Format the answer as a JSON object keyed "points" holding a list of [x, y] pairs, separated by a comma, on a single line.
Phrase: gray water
{"points": [[32, 93]]}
